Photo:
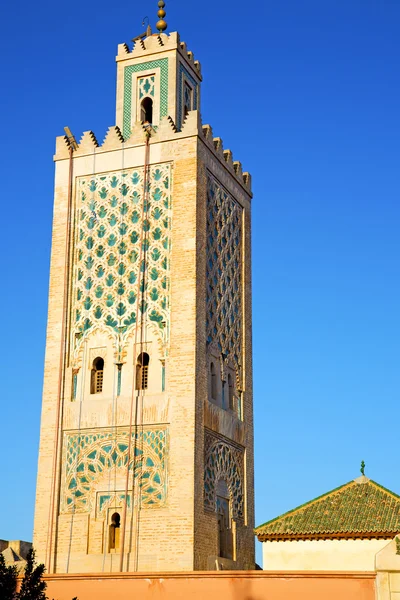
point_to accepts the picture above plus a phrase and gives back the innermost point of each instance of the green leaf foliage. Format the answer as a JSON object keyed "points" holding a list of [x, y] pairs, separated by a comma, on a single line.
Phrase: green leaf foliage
{"points": [[32, 586], [8, 580]]}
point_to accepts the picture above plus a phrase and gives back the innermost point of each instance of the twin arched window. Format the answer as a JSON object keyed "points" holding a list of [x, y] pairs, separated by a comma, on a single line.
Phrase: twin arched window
{"points": [[142, 371], [214, 388], [97, 376]]}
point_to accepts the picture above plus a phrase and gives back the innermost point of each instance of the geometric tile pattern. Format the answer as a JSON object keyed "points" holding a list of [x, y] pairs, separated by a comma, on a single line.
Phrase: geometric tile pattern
{"points": [[224, 273], [184, 74], [162, 63], [223, 460], [93, 458], [105, 501], [146, 86], [112, 242]]}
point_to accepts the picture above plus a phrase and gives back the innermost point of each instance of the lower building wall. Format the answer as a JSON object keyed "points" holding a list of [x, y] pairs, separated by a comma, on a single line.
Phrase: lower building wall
{"points": [[322, 555], [387, 564], [239, 585]]}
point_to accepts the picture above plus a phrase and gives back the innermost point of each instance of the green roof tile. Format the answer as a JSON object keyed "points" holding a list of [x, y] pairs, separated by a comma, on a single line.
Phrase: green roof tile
{"points": [[359, 509]]}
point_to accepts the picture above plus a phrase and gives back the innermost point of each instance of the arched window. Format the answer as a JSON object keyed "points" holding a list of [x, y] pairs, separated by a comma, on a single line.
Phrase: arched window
{"points": [[142, 371], [224, 520], [188, 102], [114, 530], [96, 380], [146, 110], [230, 391], [213, 377]]}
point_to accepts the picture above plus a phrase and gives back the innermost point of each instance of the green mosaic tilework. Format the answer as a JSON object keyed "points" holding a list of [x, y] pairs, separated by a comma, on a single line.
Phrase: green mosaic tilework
{"points": [[90, 457], [162, 63], [108, 269], [223, 461], [224, 272], [146, 86], [361, 508], [105, 501]]}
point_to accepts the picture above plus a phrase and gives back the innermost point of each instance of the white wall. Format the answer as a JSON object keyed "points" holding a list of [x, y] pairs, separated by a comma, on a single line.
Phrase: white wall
{"points": [[321, 555]]}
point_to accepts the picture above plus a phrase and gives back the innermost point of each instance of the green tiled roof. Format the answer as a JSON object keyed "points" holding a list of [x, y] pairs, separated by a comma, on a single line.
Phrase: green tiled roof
{"points": [[359, 509]]}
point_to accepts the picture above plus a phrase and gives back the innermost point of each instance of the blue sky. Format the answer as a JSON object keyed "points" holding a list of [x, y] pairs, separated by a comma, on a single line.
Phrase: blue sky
{"points": [[306, 94]]}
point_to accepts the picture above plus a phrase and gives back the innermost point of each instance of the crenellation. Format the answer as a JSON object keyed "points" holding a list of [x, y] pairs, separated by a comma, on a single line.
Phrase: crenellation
{"points": [[208, 132], [113, 139], [237, 165], [139, 45], [247, 179], [123, 49], [159, 42], [165, 130], [228, 157], [192, 124], [153, 42], [137, 134], [62, 147], [216, 145], [87, 144]]}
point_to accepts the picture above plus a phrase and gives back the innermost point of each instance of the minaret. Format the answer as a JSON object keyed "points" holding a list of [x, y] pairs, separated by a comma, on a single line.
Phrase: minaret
{"points": [[146, 446]]}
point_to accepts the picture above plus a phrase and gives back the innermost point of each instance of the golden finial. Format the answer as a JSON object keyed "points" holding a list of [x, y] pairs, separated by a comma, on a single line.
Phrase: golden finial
{"points": [[161, 24]]}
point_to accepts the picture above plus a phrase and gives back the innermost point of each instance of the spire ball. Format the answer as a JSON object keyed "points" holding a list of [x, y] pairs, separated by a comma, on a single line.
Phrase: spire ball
{"points": [[161, 24]]}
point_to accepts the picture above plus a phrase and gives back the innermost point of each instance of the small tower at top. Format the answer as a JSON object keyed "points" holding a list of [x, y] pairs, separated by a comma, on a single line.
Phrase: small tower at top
{"points": [[158, 78], [146, 447]]}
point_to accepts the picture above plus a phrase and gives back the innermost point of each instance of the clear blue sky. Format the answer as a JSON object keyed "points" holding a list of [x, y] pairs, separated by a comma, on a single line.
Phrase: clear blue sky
{"points": [[306, 94]]}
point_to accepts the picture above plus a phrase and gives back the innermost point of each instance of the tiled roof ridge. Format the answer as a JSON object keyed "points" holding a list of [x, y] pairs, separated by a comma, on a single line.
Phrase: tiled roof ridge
{"points": [[304, 505], [325, 517], [396, 496]]}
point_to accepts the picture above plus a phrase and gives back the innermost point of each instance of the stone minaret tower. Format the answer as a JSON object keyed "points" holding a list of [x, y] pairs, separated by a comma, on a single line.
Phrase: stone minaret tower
{"points": [[146, 448]]}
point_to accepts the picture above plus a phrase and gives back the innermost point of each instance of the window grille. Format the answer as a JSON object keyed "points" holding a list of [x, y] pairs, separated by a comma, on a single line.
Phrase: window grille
{"points": [[97, 376], [99, 382], [142, 371]]}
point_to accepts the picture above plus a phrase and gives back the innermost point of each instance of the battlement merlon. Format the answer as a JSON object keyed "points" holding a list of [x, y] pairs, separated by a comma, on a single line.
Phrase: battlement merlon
{"points": [[159, 43], [89, 146]]}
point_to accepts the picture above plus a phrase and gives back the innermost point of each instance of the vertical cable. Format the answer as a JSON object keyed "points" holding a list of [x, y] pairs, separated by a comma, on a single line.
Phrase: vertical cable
{"points": [[141, 294], [84, 369], [61, 377]]}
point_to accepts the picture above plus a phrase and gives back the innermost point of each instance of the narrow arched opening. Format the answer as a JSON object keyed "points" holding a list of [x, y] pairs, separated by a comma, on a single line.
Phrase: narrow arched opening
{"points": [[230, 391], [142, 371], [114, 530], [213, 377], [146, 110], [97, 376], [225, 533]]}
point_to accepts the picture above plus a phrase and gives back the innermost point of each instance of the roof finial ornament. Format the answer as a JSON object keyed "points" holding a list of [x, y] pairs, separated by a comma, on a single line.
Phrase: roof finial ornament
{"points": [[147, 33], [148, 28], [362, 468], [161, 24]]}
